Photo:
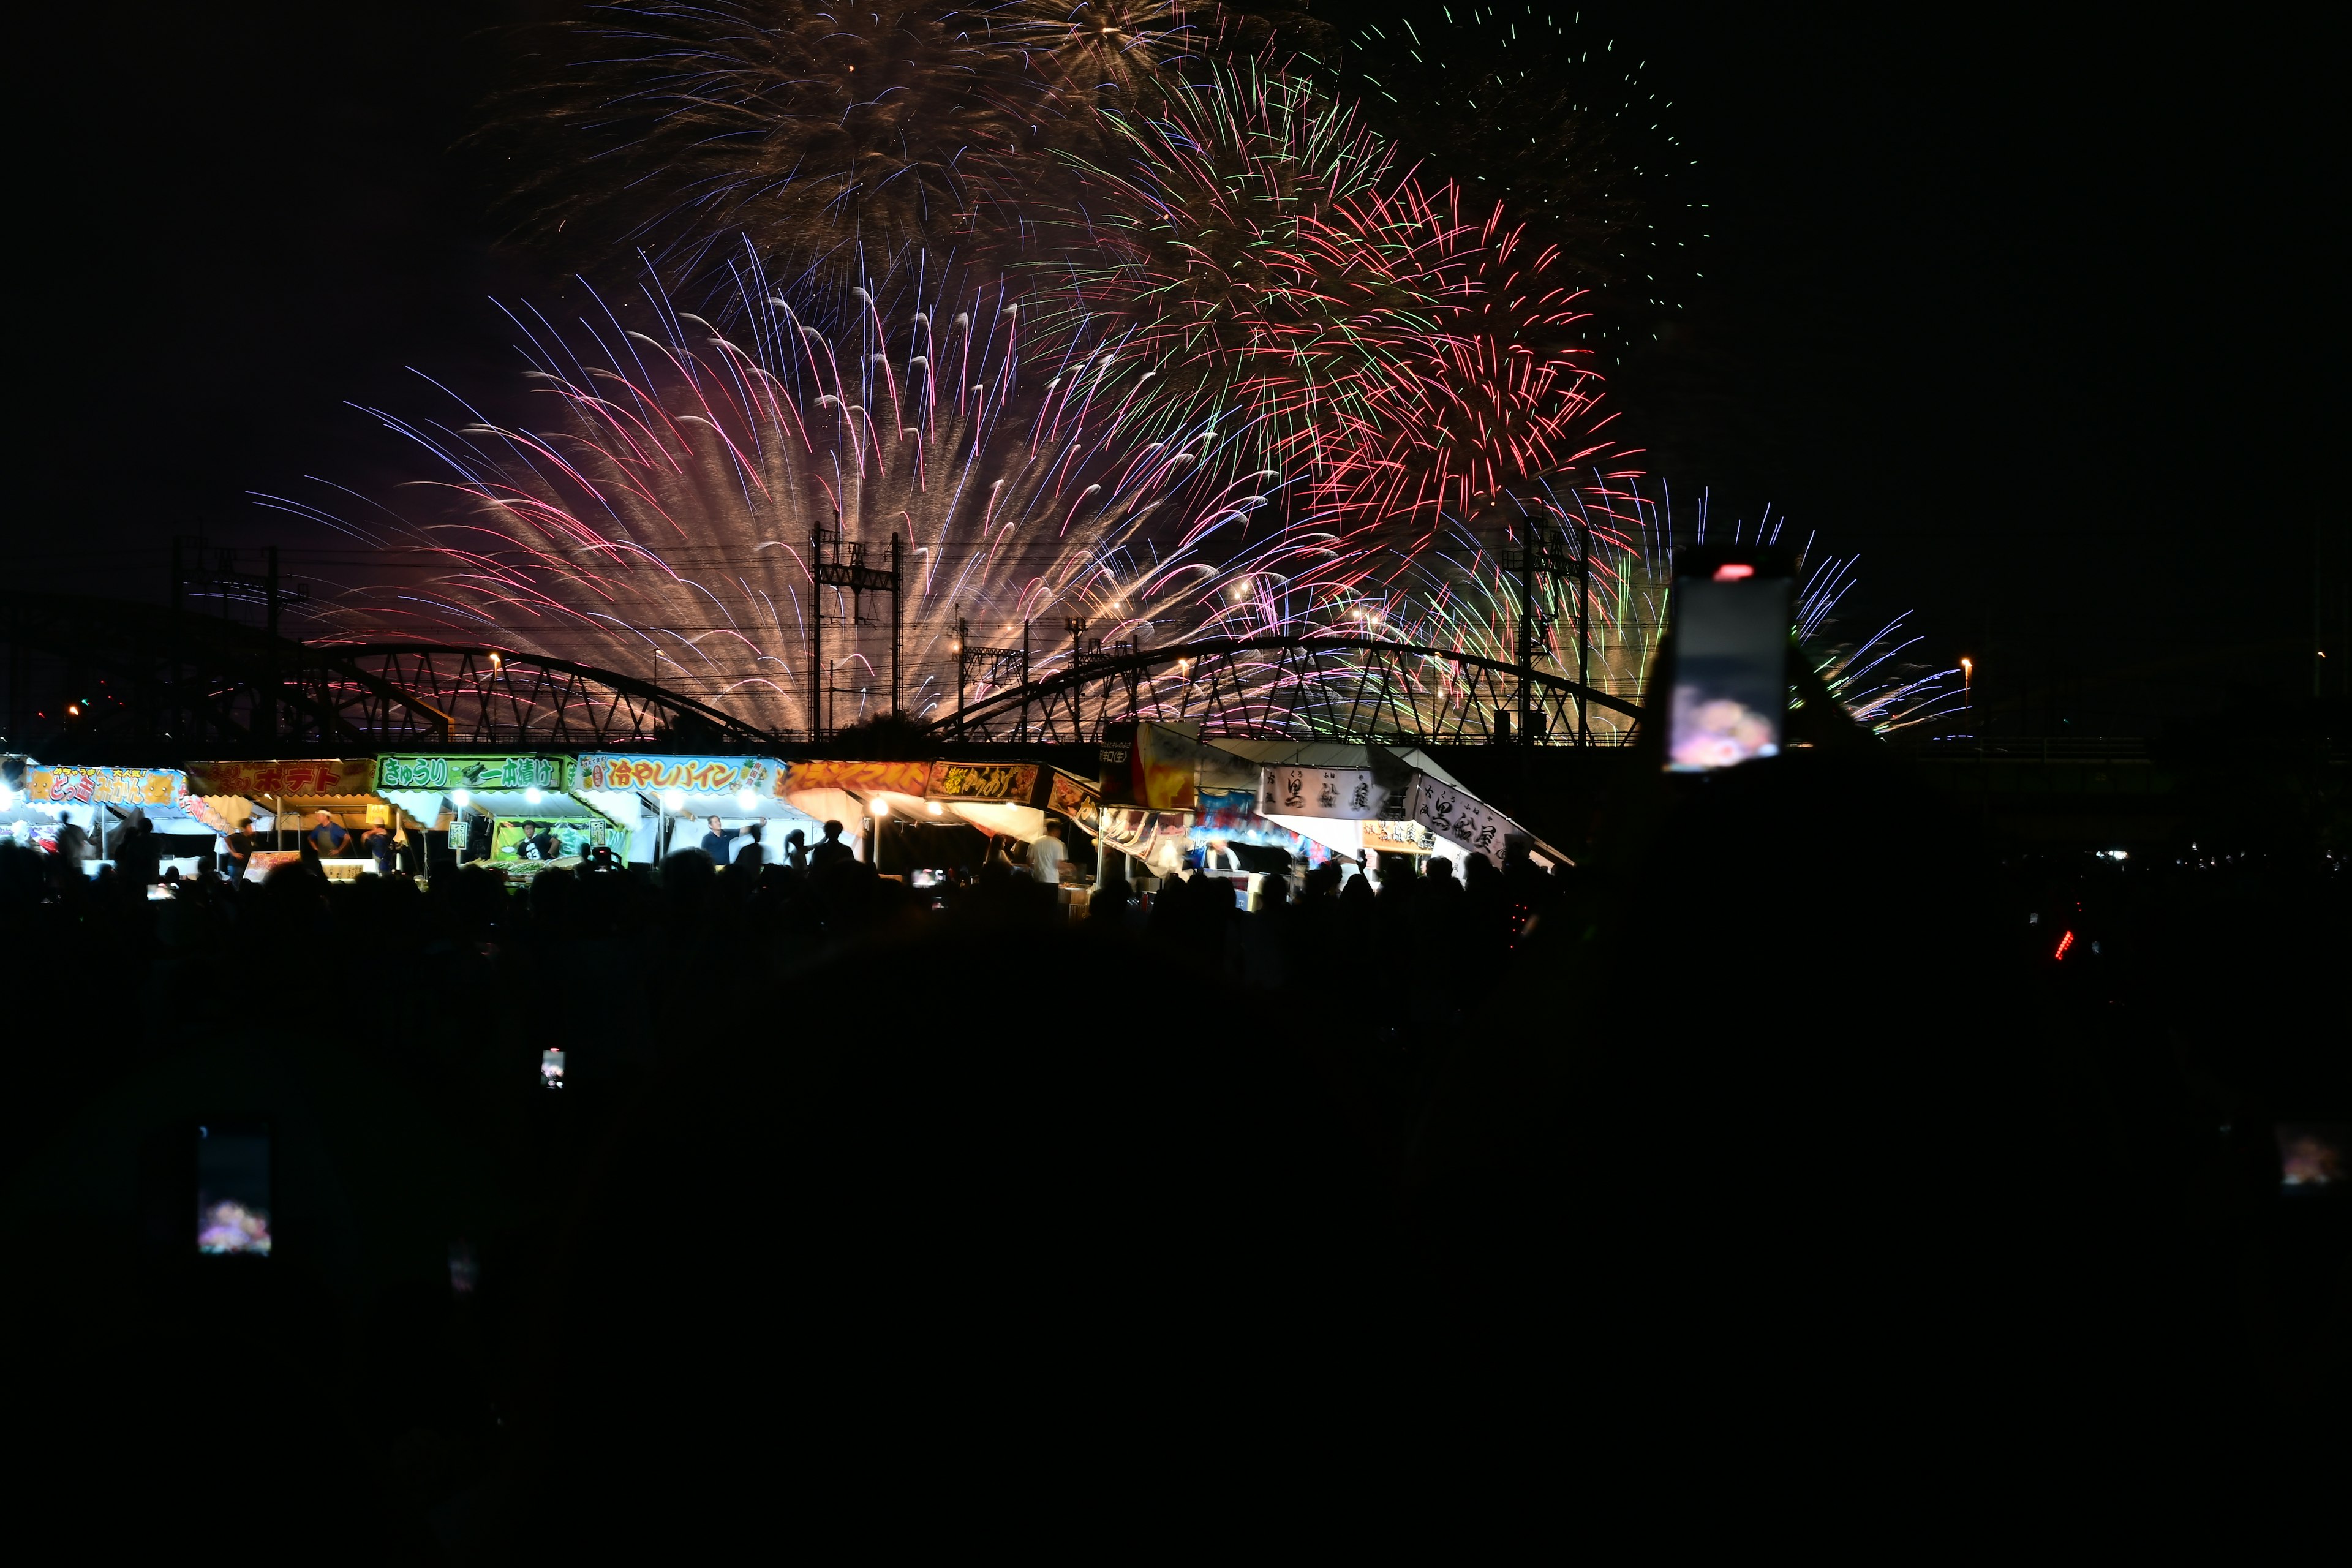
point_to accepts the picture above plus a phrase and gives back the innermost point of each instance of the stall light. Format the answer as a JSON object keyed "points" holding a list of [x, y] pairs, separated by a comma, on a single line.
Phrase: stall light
{"points": [[673, 800], [880, 807], [461, 798], [532, 796], [746, 799], [935, 808]]}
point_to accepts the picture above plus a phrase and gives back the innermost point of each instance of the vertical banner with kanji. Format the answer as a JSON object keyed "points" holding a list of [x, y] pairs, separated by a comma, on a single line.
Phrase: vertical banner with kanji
{"points": [[1346, 794], [1451, 814]]}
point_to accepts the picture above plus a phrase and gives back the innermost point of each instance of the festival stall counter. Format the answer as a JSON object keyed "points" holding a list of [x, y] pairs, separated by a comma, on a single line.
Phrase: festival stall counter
{"points": [[666, 803], [1016, 800], [283, 800], [516, 812], [98, 801], [1359, 800]]}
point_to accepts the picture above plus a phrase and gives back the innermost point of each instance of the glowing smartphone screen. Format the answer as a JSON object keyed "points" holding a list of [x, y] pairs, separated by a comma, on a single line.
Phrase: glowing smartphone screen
{"points": [[1731, 672], [232, 1192]]}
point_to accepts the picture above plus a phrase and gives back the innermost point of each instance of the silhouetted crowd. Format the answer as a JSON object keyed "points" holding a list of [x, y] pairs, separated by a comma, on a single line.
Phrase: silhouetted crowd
{"points": [[1776, 1115]]}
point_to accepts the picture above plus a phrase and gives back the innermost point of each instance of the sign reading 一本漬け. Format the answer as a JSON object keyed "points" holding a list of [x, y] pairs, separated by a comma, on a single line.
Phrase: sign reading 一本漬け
{"points": [[1347, 795], [469, 773], [694, 775], [1010, 784], [1450, 814]]}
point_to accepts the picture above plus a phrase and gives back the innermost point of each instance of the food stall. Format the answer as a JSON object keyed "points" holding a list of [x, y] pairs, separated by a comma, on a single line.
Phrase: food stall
{"points": [[517, 813], [279, 802], [859, 795], [1015, 801], [98, 800], [1358, 801], [665, 802]]}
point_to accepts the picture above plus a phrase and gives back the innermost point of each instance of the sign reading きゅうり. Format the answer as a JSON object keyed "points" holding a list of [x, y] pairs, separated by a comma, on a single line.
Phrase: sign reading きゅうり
{"points": [[1347, 794], [1450, 814], [694, 775], [469, 773]]}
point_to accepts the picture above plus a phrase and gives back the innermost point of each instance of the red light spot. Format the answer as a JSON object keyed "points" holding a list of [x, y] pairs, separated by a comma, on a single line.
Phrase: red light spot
{"points": [[1732, 572], [2063, 943]]}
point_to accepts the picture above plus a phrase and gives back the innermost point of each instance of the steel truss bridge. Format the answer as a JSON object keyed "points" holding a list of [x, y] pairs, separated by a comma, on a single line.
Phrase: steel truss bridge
{"points": [[85, 678], [100, 680], [1298, 687]]}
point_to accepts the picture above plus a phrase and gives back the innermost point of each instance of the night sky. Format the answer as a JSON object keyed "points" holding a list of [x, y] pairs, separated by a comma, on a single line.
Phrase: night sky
{"points": [[2039, 321]]}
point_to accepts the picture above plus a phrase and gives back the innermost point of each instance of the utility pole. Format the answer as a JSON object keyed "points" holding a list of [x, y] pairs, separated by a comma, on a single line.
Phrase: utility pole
{"points": [[836, 562]]}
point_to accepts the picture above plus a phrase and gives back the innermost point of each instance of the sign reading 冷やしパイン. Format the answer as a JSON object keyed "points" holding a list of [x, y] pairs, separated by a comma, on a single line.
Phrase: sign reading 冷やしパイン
{"points": [[694, 775], [469, 773]]}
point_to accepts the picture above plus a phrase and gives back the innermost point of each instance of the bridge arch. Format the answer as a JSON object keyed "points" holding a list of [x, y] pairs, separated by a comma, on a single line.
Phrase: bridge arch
{"points": [[1296, 687]]}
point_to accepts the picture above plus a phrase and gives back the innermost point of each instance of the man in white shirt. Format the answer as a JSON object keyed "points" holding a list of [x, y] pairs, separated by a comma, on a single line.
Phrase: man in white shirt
{"points": [[1047, 856]]}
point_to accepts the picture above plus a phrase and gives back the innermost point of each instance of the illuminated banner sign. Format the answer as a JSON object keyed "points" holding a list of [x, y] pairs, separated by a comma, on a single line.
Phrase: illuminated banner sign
{"points": [[323, 777], [694, 775], [1151, 766], [106, 786], [1346, 794], [1007, 783], [1075, 799], [1396, 837], [898, 778], [469, 773], [1450, 814]]}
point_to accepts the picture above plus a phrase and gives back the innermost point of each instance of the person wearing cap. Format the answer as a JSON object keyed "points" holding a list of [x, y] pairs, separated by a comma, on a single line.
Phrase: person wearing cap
{"points": [[331, 838]]}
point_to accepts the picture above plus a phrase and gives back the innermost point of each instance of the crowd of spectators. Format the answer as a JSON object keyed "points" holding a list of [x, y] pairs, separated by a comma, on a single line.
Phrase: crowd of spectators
{"points": [[1767, 1107]]}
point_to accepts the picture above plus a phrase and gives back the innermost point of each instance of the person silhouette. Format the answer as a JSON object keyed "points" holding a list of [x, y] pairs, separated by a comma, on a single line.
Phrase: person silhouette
{"points": [[832, 851]]}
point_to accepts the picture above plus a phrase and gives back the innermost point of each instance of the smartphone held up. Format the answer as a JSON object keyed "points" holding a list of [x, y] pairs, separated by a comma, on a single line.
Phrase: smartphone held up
{"points": [[1729, 692]]}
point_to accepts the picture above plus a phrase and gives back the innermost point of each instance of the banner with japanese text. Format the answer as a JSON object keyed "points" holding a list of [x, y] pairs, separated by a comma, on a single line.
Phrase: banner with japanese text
{"points": [[314, 778], [1347, 794], [866, 778], [469, 773], [1005, 784], [692, 776], [1452, 814]]}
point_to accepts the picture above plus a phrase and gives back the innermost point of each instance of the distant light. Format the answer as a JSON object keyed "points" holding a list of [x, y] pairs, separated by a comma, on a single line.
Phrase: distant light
{"points": [[673, 800], [746, 799], [74, 709], [532, 796], [935, 808], [2116, 855], [461, 798], [881, 806], [2063, 943], [1733, 571]]}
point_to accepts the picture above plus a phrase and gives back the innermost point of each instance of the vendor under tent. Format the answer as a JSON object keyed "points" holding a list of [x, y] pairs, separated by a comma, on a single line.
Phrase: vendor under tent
{"points": [[99, 801], [517, 813], [666, 803], [1356, 800], [856, 794], [280, 803]]}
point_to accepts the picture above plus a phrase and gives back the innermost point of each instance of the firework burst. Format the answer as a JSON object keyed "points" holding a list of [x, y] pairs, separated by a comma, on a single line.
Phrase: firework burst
{"points": [[658, 520], [689, 129]]}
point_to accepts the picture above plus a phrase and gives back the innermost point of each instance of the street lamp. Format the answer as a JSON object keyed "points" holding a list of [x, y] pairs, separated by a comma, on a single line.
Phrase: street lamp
{"points": [[1968, 681]]}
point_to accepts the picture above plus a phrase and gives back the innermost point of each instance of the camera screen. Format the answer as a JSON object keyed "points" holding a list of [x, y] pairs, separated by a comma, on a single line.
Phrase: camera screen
{"points": [[232, 1192], [1731, 681], [2312, 1156]]}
